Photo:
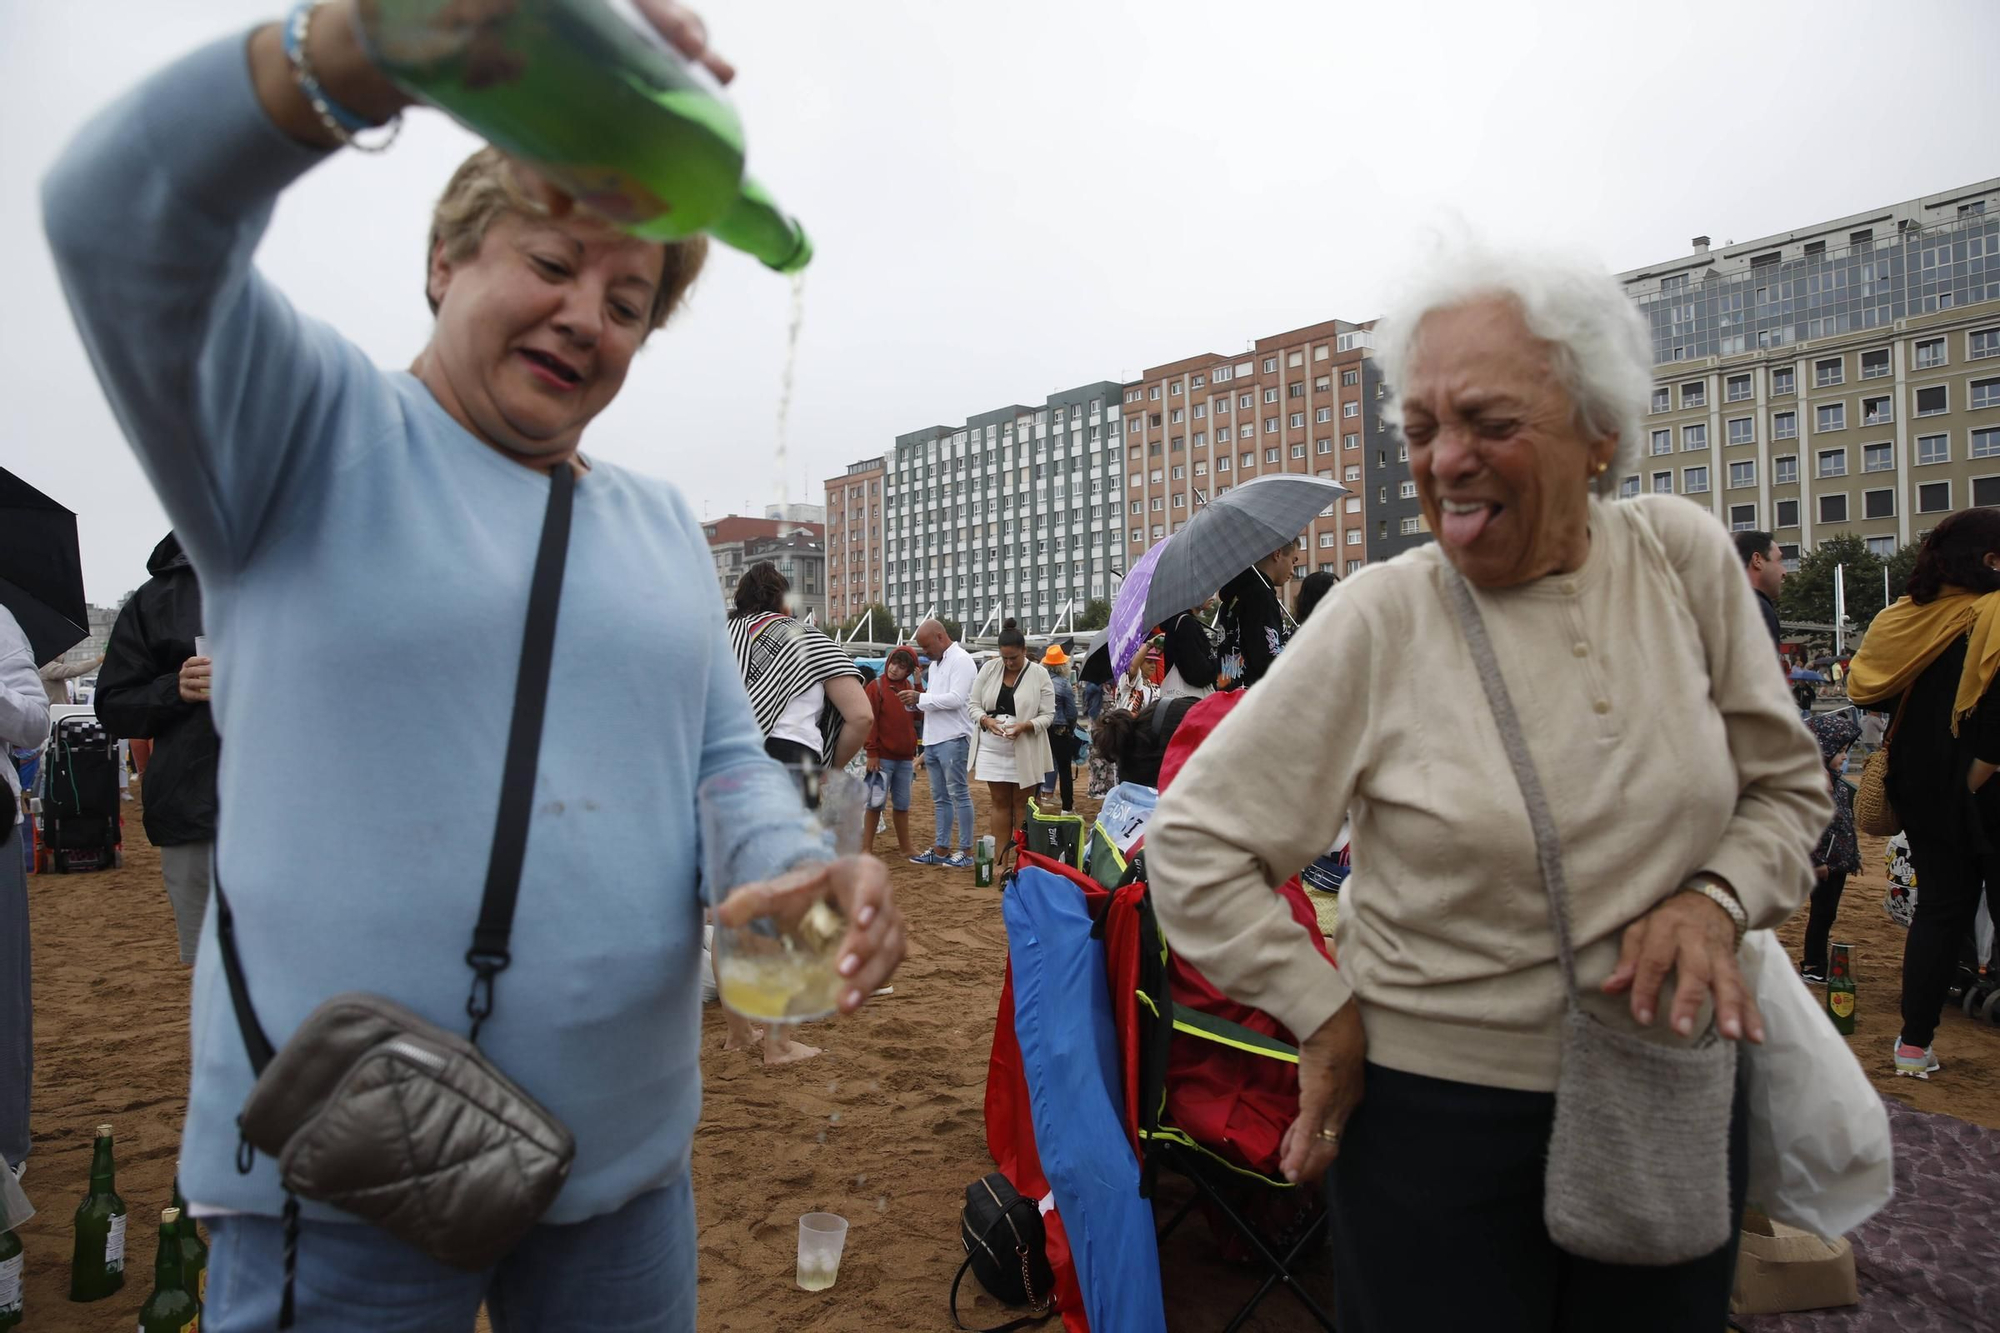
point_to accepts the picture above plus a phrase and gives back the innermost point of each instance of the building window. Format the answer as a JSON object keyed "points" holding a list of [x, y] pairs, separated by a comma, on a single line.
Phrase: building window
{"points": [[1832, 463], [1878, 504], [1828, 373], [1738, 388], [1407, 491], [1882, 546], [1742, 518], [1663, 483], [1875, 364], [1628, 487], [1323, 446], [1694, 394], [1785, 471], [1743, 474], [1930, 354], [1934, 497], [1297, 420], [1323, 414], [1785, 426], [1180, 502], [1694, 480], [1350, 409], [1180, 414], [1222, 463], [1934, 400], [1270, 425], [1354, 536], [1297, 389], [1742, 430], [1299, 450], [1410, 527], [1985, 443], [1326, 540], [1663, 442], [1877, 411], [1982, 342], [1270, 395], [1831, 416], [1878, 458], [1985, 393], [1986, 490], [1245, 400], [1180, 470], [1270, 455], [1350, 441], [1153, 392], [1783, 380], [1833, 508], [1153, 420], [1351, 473], [1788, 514], [1933, 449], [1270, 364], [1200, 469], [1694, 437], [1663, 400]]}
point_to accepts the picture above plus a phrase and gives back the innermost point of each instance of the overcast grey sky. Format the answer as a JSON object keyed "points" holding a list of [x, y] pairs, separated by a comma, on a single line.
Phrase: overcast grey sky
{"points": [[1009, 199]]}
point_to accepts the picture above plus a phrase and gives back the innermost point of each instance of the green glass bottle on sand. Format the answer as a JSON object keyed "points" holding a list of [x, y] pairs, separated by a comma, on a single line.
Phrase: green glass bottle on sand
{"points": [[11, 1303], [194, 1251], [97, 1265], [589, 95], [171, 1308]]}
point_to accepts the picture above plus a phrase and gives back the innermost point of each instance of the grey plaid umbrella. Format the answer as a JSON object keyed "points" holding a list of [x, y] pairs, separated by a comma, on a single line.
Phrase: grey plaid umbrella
{"points": [[1229, 534]]}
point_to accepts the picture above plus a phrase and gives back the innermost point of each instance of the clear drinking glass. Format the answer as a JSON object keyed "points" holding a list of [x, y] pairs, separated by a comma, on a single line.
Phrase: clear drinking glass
{"points": [[782, 967], [822, 1236]]}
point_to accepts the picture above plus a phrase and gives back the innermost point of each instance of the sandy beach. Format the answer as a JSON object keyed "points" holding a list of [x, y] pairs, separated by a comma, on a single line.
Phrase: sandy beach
{"points": [[884, 1128]]}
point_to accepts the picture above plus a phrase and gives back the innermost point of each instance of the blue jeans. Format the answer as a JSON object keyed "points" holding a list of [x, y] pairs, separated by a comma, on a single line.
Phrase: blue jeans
{"points": [[950, 792], [897, 773], [627, 1271]]}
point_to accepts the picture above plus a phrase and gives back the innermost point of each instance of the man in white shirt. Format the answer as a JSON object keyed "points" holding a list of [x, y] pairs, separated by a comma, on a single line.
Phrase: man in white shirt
{"points": [[24, 722], [947, 742]]}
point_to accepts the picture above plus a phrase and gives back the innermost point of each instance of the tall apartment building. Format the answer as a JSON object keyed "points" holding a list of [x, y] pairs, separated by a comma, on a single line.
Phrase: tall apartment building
{"points": [[1015, 513], [1841, 378], [1303, 401], [735, 543], [855, 572]]}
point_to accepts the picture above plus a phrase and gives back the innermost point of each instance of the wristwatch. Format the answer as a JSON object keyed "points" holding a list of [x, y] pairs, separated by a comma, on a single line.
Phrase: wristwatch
{"points": [[1724, 899]]}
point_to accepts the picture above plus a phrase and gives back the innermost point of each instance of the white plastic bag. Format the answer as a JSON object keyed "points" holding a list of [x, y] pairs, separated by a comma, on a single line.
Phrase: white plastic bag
{"points": [[15, 1210], [1820, 1155]]}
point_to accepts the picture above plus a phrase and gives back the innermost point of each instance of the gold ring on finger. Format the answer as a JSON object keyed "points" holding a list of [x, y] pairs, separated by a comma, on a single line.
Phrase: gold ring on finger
{"points": [[1327, 1135]]}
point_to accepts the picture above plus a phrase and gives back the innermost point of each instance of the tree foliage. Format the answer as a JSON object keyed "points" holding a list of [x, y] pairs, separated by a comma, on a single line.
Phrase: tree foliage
{"points": [[882, 631], [1900, 565], [1808, 591], [1096, 614]]}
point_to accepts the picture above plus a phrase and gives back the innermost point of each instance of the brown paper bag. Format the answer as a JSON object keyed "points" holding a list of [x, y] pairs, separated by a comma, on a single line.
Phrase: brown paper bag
{"points": [[1780, 1269]]}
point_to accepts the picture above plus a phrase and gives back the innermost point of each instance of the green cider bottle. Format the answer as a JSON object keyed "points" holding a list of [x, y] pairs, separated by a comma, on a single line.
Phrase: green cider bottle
{"points": [[11, 1300], [194, 1251], [589, 95], [1840, 988], [171, 1308], [97, 1266]]}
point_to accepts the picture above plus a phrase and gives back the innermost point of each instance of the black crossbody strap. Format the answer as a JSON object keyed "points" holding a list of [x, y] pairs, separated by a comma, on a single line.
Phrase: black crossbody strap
{"points": [[488, 956]]}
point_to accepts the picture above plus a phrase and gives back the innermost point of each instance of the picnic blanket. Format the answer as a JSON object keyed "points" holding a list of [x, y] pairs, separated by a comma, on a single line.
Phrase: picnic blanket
{"points": [[1930, 1261]]}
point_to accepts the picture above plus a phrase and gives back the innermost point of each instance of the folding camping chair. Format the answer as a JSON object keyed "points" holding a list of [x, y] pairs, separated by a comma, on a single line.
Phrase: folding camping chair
{"points": [[1154, 1023]]}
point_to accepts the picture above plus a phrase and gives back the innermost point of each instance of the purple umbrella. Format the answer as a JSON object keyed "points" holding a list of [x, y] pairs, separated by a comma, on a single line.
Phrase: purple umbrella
{"points": [[1128, 623]]}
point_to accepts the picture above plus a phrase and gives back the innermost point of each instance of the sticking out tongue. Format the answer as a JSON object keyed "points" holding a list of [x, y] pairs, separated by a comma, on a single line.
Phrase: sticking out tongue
{"points": [[1463, 529]]}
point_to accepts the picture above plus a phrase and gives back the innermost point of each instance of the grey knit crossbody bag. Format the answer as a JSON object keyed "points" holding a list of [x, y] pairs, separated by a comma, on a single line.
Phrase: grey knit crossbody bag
{"points": [[1638, 1168]]}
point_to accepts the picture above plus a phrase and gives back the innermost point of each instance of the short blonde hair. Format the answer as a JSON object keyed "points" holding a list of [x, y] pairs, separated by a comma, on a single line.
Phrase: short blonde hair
{"points": [[482, 189]]}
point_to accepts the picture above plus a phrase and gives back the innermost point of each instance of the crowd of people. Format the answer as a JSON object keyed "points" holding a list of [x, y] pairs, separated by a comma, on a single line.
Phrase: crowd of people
{"points": [[317, 493]]}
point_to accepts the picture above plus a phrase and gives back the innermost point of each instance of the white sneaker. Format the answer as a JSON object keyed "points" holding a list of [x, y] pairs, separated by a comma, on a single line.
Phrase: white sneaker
{"points": [[1911, 1063]]}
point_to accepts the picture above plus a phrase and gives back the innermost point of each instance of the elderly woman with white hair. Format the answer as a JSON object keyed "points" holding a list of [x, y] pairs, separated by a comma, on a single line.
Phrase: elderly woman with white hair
{"points": [[1679, 804]]}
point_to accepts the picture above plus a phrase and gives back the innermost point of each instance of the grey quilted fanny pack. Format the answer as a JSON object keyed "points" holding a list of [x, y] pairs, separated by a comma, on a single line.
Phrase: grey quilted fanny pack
{"points": [[390, 1117], [1638, 1168], [381, 1112]]}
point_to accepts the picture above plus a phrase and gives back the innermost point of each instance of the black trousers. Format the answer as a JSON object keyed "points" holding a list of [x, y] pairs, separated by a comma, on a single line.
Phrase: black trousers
{"points": [[1062, 745], [1437, 1224], [1951, 874], [1819, 921]]}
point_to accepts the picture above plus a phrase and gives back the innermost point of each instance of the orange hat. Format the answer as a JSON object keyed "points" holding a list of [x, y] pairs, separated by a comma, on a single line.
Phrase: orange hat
{"points": [[1055, 656]]}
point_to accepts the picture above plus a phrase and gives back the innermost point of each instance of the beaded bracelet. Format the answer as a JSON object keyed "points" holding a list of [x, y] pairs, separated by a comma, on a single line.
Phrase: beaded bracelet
{"points": [[340, 122]]}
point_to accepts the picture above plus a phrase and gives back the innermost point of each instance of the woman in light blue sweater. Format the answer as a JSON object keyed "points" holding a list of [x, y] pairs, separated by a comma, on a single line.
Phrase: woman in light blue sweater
{"points": [[365, 540]]}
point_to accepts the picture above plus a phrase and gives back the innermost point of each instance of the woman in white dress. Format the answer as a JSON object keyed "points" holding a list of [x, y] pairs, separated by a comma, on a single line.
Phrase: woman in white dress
{"points": [[1013, 705]]}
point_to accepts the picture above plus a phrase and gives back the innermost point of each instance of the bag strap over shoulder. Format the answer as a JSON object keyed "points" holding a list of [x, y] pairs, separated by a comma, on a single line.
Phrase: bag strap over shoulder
{"points": [[1548, 849], [488, 956]]}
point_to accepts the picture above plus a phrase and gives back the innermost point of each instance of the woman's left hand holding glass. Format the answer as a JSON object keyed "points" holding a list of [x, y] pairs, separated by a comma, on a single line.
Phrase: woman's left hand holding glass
{"points": [[1695, 939], [859, 885]]}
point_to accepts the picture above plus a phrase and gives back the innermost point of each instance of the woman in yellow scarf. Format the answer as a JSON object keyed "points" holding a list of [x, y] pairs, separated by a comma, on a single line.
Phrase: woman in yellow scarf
{"points": [[1933, 658]]}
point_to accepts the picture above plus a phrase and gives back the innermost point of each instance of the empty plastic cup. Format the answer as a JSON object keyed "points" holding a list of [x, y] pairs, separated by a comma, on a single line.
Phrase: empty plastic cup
{"points": [[822, 1236]]}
